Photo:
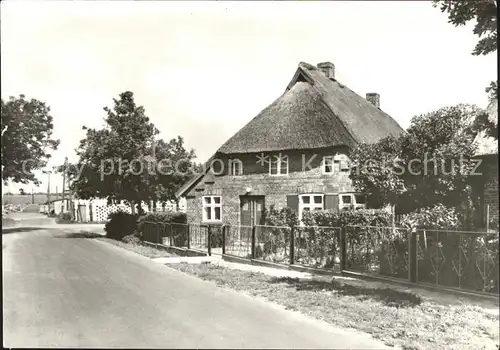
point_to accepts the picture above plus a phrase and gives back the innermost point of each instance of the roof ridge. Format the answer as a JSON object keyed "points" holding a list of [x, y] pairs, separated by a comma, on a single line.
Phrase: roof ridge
{"points": [[307, 65]]}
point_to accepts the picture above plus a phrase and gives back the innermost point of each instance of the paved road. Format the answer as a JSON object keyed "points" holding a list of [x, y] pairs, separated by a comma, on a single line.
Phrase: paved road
{"points": [[63, 291]]}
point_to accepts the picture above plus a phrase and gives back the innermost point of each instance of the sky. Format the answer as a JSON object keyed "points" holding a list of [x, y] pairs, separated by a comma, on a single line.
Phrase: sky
{"points": [[202, 70]]}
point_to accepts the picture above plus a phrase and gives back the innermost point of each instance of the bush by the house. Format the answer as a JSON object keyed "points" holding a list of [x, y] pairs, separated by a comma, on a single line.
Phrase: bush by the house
{"points": [[120, 224], [442, 244], [319, 240], [364, 217], [436, 217]]}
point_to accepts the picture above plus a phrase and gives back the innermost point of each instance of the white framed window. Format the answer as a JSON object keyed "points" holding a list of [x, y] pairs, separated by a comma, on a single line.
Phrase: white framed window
{"points": [[212, 208], [350, 201], [339, 163], [327, 165], [278, 164], [343, 162], [236, 167], [310, 202]]}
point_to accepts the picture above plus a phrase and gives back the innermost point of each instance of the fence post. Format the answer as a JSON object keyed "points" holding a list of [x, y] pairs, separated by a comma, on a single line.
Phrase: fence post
{"points": [[209, 239], [157, 232], [292, 245], [223, 239], [487, 217], [189, 234], [412, 256], [252, 248], [343, 249]]}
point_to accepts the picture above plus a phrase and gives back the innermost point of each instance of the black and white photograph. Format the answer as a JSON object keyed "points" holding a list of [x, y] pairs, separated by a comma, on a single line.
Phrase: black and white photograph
{"points": [[250, 174]]}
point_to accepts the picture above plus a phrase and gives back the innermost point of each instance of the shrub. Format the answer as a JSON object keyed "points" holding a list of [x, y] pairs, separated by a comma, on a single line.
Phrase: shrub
{"points": [[321, 236], [120, 224], [436, 217], [175, 217], [283, 217], [275, 240], [132, 239], [361, 217]]}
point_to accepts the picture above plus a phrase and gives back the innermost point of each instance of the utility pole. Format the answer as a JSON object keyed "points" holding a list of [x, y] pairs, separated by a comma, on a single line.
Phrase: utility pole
{"points": [[64, 182], [48, 188], [32, 195]]}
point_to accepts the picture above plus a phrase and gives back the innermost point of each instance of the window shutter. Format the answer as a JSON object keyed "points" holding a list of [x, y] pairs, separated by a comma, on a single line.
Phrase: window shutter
{"points": [[292, 201], [332, 202]]}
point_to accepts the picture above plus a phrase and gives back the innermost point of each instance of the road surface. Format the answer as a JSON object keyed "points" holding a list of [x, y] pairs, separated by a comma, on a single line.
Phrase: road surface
{"points": [[63, 291]]}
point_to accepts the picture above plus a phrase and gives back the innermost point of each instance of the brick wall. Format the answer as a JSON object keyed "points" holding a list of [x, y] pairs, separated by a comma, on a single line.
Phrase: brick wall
{"points": [[305, 176]]}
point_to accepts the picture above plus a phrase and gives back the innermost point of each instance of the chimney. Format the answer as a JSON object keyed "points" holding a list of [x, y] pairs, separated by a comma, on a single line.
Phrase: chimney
{"points": [[328, 69], [373, 98]]}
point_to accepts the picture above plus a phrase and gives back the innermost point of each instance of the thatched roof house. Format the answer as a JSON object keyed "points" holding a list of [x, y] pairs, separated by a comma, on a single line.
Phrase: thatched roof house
{"points": [[315, 111]]}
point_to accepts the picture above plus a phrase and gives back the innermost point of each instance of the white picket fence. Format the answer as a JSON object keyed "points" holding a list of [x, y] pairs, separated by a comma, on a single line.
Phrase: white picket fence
{"points": [[98, 210]]}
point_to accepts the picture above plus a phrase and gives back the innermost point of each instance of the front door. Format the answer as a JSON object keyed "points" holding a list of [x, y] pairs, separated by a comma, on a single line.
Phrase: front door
{"points": [[251, 210]]}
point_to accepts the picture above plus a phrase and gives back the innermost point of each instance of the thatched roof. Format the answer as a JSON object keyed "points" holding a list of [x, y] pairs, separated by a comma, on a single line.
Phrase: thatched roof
{"points": [[314, 112]]}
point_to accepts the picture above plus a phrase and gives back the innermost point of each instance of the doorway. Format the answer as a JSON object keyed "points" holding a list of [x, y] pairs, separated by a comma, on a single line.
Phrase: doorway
{"points": [[251, 210]]}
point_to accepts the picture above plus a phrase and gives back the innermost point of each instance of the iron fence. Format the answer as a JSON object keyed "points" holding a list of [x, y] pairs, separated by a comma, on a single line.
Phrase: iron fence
{"points": [[151, 232], [198, 236], [460, 259], [272, 243], [317, 246], [238, 241], [457, 259], [177, 235], [377, 250]]}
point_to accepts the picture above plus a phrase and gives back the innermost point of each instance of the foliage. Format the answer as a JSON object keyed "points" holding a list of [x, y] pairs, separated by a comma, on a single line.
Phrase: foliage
{"points": [[120, 224], [360, 217], [431, 163], [161, 217], [435, 217], [460, 12], [132, 239], [376, 171], [275, 237], [493, 224], [446, 137], [280, 217], [321, 234], [26, 138], [122, 162]]}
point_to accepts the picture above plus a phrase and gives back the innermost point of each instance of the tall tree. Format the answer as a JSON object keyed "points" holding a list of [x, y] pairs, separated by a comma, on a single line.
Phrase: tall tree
{"points": [[429, 164], [120, 161], [376, 171], [27, 138], [461, 12]]}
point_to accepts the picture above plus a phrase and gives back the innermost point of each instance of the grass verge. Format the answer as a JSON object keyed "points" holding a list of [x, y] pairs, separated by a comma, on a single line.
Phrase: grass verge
{"points": [[8, 222], [150, 252], [395, 317]]}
